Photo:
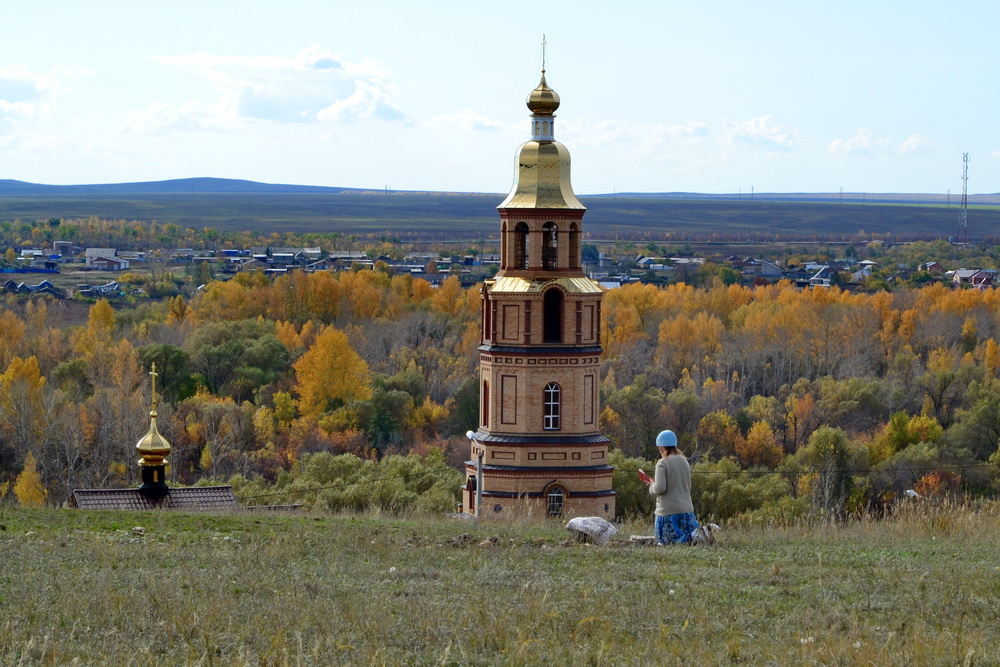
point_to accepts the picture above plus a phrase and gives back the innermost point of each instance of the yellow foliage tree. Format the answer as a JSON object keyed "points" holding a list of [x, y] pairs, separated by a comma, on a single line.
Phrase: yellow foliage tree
{"points": [[288, 335], [330, 373], [28, 487], [101, 318], [718, 434], [448, 297], [991, 357], [760, 447], [13, 334], [425, 420], [422, 290], [21, 401], [177, 310], [688, 341]]}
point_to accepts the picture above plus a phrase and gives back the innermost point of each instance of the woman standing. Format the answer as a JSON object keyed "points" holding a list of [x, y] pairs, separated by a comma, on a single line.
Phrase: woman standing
{"points": [[671, 484]]}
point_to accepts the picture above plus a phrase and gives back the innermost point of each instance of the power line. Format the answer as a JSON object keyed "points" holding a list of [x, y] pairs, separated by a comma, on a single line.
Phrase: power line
{"points": [[817, 471], [760, 473], [374, 480]]}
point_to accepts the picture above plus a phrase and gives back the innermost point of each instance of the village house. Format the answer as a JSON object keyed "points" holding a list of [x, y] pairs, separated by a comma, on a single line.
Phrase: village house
{"points": [[104, 259], [975, 278]]}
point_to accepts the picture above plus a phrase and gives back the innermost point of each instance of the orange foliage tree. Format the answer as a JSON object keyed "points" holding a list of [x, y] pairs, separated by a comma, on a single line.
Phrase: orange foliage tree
{"points": [[760, 447]]}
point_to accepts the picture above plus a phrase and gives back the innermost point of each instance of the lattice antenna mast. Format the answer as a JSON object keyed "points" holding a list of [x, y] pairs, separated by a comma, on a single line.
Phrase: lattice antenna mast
{"points": [[962, 236]]}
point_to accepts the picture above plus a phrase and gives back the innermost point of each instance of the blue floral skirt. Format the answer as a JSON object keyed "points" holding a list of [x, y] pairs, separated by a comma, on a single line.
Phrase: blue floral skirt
{"points": [[675, 528]]}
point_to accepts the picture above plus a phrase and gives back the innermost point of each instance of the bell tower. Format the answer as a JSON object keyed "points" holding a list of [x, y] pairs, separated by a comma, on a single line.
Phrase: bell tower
{"points": [[539, 357]]}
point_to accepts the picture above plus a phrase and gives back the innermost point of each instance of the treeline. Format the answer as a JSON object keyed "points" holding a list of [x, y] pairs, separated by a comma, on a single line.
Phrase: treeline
{"points": [[843, 399], [254, 375], [786, 399]]}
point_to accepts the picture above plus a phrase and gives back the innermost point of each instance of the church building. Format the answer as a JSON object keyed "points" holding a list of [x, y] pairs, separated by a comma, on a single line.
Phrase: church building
{"points": [[538, 437]]}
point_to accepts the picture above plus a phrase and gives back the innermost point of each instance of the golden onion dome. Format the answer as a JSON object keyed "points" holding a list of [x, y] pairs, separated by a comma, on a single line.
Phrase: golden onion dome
{"points": [[543, 101], [152, 447]]}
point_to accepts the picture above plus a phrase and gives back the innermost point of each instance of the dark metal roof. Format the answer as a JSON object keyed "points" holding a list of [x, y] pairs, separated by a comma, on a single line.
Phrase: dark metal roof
{"points": [[192, 499]]}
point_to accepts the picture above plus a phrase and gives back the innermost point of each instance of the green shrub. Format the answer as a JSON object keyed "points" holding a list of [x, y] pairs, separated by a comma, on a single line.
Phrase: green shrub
{"points": [[345, 482], [722, 490], [633, 500]]}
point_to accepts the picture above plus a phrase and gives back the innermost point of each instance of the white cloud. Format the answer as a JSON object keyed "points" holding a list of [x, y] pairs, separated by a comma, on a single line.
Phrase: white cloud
{"points": [[27, 94], [863, 142], [914, 144], [995, 155], [18, 85], [644, 138], [763, 132], [315, 85], [465, 119], [161, 118]]}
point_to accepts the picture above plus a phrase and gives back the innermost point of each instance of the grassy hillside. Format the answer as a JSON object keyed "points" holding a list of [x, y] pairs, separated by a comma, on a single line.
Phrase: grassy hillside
{"points": [[466, 216], [922, 588]]}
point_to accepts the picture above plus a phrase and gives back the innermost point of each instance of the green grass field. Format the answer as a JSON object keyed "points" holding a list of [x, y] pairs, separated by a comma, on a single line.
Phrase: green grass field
{"points": [[922, 588]]}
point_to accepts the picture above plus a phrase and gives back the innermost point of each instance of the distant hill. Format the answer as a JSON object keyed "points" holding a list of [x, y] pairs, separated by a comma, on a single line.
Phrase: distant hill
{"points": [[676, 216], [177, 186]]}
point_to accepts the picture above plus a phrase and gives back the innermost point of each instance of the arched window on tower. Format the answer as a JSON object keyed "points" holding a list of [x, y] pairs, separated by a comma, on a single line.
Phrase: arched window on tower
{"points": [[552, 407], [555, 497], [520, 246], [552, 325], [550, 243], [574, 246]]}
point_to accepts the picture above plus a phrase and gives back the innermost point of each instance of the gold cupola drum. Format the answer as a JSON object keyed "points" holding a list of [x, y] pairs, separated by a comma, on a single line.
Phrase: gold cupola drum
{"points": [[153, 449], [538, 438]]}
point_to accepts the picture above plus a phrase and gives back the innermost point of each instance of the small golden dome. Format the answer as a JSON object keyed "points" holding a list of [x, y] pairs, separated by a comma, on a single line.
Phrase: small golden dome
{"points": [[152, 447], [543, 101]]}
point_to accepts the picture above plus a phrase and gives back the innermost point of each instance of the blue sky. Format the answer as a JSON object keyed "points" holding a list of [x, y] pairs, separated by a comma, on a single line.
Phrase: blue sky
{"points": [[656, 96]]}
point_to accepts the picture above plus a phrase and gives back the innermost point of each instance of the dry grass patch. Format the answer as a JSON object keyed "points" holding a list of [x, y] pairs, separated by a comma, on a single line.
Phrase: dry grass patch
{"points": [[921, 588]]}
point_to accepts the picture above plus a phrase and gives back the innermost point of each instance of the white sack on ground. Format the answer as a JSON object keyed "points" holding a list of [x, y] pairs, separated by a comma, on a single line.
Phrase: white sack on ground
{"points": [[597, 529]]}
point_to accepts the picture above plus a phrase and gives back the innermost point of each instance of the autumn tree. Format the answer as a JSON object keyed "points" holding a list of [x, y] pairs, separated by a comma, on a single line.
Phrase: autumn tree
{"points": [[116, 415], [718, 434], [28, 488], [447, 298], [22, 404], [13, 329], [330, 374], [759, 447]]}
